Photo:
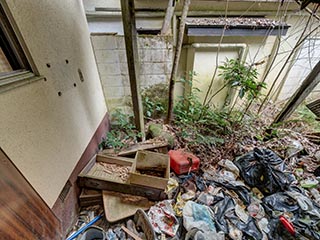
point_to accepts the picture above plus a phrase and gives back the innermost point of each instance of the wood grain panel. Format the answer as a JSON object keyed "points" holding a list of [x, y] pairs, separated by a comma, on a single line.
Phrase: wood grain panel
{"points": [[23, 214]]}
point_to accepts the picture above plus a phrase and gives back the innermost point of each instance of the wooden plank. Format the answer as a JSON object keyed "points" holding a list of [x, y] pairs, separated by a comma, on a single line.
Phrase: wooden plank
{"points": [[96, 183], [315, 107], [131, 234], [89, 197], [144, 146], [115, 209], [311, 81], [23, 215], [130, 36]]}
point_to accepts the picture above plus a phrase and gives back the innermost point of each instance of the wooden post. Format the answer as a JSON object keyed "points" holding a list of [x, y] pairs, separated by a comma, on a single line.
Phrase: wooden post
{"points": [[130, 36], [176, 59], [306, 87], [166, 25]]}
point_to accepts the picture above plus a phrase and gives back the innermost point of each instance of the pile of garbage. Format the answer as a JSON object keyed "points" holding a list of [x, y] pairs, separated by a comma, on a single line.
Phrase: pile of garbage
{"points": [[256, 196]]}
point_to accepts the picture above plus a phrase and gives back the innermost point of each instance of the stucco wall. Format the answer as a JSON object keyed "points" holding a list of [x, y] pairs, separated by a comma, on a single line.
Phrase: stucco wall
{"points": [[155, 56], [252, 49], [44, 133]]}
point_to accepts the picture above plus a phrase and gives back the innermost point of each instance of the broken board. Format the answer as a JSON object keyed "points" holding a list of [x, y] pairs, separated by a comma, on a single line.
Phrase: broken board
{"points": [[160, 147], [117, 206]]}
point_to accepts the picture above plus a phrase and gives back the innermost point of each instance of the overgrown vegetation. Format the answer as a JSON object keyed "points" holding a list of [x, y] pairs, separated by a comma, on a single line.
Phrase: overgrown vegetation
{"points": [[154, 101], [122, 132], [200, 124], [242, 76], [204, 130]]}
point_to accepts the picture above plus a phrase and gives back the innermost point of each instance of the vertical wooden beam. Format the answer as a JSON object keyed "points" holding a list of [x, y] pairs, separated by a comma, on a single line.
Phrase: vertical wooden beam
{"points": [[306, 87], [130, 36]]}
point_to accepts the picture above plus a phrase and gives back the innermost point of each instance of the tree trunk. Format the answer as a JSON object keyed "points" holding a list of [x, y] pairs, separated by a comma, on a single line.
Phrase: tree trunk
{"points": [[176, 60], [165, 30]]}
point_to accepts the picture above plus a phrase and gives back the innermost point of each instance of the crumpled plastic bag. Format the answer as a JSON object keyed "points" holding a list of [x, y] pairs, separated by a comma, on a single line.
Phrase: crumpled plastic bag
{"points": [[199, 217], [305, 213], [171, 187], [263, 169], [163, 219]]}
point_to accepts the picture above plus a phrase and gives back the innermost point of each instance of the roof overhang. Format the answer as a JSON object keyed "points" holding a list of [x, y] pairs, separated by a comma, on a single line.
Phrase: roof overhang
{"points": [[235, 27]]}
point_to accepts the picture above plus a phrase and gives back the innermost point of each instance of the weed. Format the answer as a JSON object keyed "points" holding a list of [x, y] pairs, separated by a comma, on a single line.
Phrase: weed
{"points": [[122, 132], [154, 100], [199, 123]]}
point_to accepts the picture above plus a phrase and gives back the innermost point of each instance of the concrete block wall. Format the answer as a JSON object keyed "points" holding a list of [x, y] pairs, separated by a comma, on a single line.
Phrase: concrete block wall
{"points": [[155, 56]]}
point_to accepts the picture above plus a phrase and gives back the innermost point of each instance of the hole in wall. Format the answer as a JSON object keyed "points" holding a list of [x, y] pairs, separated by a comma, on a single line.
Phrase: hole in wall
{"points": [[45, 79], [80, 75], [74, 84], [59, 93], [48, 65], [67, 61]]}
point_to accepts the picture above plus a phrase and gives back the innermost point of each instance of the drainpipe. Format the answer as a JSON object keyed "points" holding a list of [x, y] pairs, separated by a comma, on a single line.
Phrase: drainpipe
{"points": [[242, 46]]}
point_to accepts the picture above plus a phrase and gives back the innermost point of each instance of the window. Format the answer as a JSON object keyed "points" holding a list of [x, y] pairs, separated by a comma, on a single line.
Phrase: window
{"points": [[14, 65]]}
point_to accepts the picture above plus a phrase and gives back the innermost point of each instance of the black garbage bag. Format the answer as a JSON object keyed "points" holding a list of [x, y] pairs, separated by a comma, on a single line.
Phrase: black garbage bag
{"points": [[305, 214], [220, 209], [263, 169], [249, 229], [242, 191]]}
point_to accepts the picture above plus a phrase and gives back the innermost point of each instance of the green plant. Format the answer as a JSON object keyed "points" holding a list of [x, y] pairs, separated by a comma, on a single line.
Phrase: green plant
{"points": [[199, 123], [154, 100], [122, 132], [240, 75]]}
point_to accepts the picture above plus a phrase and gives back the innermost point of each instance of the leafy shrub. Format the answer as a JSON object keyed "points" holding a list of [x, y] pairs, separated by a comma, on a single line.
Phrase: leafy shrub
{"points": [[240, 75]]}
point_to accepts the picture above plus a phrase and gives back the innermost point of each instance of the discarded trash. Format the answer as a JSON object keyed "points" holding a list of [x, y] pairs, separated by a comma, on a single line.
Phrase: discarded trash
{"points": [[183, 162], [263, 169], [305, 214], [143, 222], [163, 219], [82, 229], [287, 224], [197, 219], [256, 210], [294, 148], [171, 187], [93, 233], [309, 183], [255, 197], [230, 166]]}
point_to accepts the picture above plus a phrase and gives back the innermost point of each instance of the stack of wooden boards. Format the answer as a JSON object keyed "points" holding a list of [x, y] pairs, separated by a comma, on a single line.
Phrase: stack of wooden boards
{"points": [[127, 183]]}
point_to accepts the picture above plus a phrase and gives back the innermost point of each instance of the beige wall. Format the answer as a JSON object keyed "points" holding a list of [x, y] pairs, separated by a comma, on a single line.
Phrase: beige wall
{"points": [[252, 49], [155, 55], [259, 51], [43, 133]]}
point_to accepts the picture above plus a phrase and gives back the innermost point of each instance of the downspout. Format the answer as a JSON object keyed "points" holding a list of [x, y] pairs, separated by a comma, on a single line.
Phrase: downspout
{"points": [[242, 46]]}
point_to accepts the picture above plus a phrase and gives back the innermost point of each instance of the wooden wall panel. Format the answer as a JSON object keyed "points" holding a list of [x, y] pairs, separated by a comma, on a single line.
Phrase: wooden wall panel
{"points": [[23, 214]]}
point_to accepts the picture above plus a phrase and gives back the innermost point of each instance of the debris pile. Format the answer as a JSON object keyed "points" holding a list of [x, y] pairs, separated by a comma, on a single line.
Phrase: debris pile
{"points": [[261, 194]]}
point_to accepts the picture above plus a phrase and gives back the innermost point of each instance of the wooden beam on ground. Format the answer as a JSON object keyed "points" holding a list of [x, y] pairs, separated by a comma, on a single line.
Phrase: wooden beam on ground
{"points": [[130, 36], [306, 87]]}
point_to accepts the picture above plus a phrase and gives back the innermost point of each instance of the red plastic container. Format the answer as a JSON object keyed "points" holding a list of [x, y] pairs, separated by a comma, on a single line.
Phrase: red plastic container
{"points": [[183, 162]]}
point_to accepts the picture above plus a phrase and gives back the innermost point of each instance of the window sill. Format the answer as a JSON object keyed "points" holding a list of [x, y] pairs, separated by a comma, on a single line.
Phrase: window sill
{"points": [[9, 82]]}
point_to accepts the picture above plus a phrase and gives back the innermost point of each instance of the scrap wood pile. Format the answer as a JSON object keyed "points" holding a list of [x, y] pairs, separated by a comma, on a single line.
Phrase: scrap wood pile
{"points": [[243, 189]]}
